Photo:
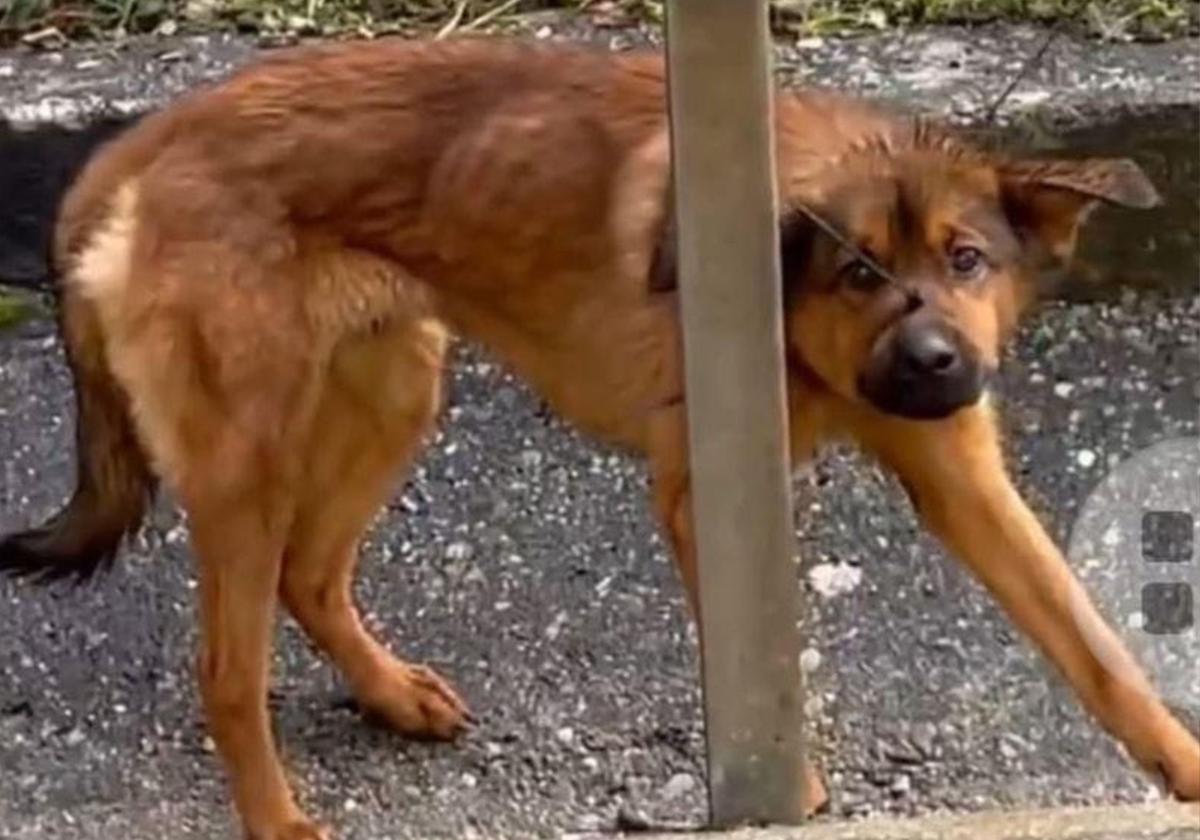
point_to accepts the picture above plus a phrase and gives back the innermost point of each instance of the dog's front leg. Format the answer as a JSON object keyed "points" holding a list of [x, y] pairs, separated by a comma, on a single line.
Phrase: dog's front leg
{"points": [[671, 479], [955, 474], [672, 489]]}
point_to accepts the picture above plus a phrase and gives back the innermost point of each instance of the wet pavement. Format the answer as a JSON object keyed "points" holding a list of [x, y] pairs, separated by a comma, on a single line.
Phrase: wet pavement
{"points": [[521, 562]]}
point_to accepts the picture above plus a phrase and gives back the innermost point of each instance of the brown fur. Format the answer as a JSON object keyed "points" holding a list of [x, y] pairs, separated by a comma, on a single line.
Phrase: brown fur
{"points": [[260, 283]]}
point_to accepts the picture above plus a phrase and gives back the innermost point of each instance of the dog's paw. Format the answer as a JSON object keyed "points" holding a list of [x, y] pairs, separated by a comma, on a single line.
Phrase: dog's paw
{"points": [[1176, 767], [816, 795], [1182, 777], [305, 831], [295, 830], [416, 702]]}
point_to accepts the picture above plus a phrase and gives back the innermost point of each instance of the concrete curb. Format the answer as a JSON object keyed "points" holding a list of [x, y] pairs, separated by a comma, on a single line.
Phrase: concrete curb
{"points": [[1160, 821], [955, 73]]}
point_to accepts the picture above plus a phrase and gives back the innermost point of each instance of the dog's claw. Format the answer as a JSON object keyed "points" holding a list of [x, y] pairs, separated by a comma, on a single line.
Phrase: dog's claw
{"points": [[416, 702]]}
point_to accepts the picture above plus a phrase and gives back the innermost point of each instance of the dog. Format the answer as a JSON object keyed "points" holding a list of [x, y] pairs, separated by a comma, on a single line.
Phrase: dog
{"points": [[258, 285]]}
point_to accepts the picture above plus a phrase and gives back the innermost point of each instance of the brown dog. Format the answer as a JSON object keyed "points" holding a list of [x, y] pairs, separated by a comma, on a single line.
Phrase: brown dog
{"points": [[259, 284]]}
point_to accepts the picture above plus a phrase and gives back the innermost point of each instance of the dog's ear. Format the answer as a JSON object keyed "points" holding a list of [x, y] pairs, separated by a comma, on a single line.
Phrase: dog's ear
{"points": [[1049, 200], [795, 242]]}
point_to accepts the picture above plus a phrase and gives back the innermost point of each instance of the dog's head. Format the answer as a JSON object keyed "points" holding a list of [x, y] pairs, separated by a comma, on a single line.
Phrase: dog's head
{"points": [[923, 255], [908, 255]]}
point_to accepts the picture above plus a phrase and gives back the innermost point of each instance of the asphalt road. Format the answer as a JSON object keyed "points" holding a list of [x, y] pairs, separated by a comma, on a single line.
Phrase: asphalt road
{"points": [[521, 562]]}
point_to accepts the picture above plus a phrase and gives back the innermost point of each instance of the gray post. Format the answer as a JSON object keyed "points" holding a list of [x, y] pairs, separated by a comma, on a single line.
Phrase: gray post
{"points": [[724, 169]]}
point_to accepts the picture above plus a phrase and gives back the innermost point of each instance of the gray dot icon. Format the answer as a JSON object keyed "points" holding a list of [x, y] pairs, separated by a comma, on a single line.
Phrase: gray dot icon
{"points": [[1168, 608], [1133, 547], [1167, 536]]}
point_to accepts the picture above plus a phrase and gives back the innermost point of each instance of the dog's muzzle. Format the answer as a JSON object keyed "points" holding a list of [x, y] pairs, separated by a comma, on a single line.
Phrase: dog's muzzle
{"points": [[922, 368]]}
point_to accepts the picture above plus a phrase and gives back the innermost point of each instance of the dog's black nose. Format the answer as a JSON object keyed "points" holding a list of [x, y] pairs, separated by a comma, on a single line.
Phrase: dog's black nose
{"points": [[927, 351], [923, 369]]}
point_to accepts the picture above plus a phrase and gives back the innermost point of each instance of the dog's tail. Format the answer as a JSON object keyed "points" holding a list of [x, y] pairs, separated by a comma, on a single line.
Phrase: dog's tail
{"points": [[114, 483], [37, 166]]}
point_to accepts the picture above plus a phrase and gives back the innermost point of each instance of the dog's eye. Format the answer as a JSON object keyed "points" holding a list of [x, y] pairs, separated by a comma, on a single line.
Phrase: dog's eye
{"points": [[966, 261], [861, 277]]}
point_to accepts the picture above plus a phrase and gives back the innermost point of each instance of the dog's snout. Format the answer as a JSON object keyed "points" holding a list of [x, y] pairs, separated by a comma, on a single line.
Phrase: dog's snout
{"points": [[927, 351], [922, 368]]}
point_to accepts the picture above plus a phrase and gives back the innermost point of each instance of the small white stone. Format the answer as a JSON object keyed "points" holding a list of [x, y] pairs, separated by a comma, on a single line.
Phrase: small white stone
{"points": [[554, 629], [1112, 537], [457, 551], [814, 706], [566, 735], [1086, 458], [810, 660], [1029, 98], [1063, 389], [350, 805], [531, 459], [679, 785], [833, 579]]}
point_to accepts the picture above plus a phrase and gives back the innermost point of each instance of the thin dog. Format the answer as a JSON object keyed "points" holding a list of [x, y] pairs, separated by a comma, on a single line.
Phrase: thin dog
{"points": [[259, 283]]}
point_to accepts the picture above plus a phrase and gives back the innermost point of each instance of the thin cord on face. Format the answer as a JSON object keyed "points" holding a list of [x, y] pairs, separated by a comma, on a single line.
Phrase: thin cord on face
{"points": [[912, 298]]}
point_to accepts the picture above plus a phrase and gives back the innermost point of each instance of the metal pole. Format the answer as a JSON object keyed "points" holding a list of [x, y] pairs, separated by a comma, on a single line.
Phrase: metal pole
{"points": [[726, 213]]}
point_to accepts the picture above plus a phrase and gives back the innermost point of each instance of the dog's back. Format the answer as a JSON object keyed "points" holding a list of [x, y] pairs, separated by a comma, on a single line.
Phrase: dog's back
{"points": [[352, 132]]}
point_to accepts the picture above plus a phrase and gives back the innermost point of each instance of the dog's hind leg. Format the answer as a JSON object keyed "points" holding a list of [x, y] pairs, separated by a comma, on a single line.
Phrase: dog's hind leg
{"points": [[228, 444], [221, 368], [235, 465], [240, 545], [672, 494], [381, 395]]}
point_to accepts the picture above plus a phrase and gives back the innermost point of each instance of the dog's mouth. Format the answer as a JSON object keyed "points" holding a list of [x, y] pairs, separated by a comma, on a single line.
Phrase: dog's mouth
{"points": [[923, 369]]}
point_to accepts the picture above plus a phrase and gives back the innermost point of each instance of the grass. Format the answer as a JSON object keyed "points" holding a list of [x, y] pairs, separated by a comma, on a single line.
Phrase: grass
{"points": [[58, 19], [13, 309]]}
